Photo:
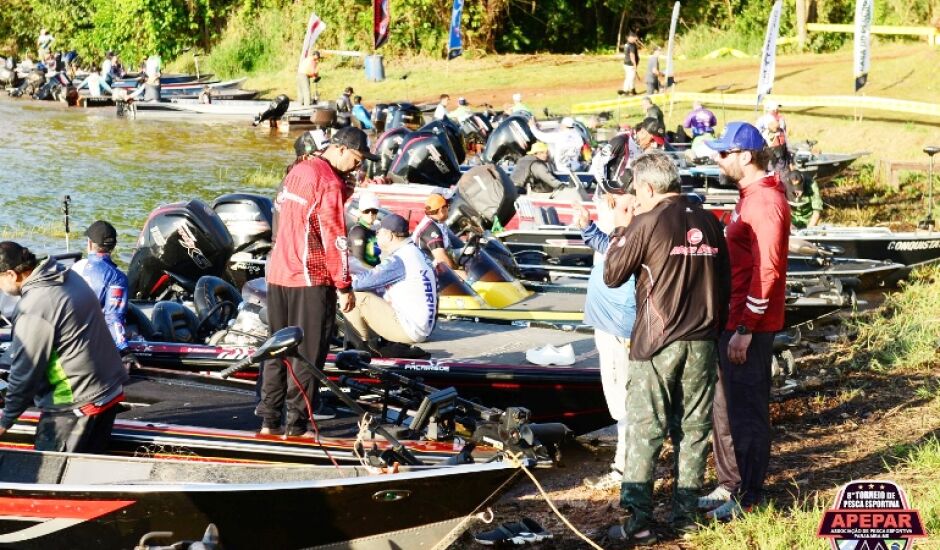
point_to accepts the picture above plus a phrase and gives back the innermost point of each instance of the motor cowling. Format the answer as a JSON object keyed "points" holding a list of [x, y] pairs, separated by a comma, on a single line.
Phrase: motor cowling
{"points": [[449, 129], [275, 110], [510, 140], [249, 219], [386, 148], [183, 240], [427, 158]]}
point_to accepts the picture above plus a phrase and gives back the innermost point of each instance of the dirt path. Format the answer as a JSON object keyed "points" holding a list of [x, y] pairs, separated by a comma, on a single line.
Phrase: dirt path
{"points": [[827, 434]]}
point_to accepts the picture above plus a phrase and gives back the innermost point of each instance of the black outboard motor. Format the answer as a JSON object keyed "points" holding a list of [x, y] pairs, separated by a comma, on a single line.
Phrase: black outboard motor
{"points": [[476, 129], [275, 110], [484, 194], [180, 243], [451, 130], [404, 115], [386, 148], [54, 89], [425, 157], [509, 141], [379, 114], [249, 219]]}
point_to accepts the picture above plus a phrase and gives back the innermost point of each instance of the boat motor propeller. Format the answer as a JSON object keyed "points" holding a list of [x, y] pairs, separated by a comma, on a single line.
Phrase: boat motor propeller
{"points": [[279, 344], [928, 223]]}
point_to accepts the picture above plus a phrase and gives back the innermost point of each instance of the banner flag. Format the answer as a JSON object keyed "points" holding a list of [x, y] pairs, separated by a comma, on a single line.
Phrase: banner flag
{"points": [[381, 19], [768, 62], [315, 27], [455, 44], [863, 16], [670, 80]]}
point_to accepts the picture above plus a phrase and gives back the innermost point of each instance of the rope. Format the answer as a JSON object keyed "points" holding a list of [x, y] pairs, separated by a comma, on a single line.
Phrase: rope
{"points": [[364, 424], [515, 461]]}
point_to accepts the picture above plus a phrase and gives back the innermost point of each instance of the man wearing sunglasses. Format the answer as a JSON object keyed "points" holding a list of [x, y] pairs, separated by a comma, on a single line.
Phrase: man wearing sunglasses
{"points": [[307, 272], [363, 243], [758, 238]]}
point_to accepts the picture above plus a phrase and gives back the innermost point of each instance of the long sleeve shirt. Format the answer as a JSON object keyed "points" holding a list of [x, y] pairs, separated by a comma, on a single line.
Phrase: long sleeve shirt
{"points": [[612, 310], [110, 286], [758, 243]]}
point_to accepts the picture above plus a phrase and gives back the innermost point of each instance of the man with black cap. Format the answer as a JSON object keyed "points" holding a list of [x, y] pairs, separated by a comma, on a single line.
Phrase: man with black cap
{"points": [[758, 242], [107, 281], [398, 299], [61, 358], [308, 270]]}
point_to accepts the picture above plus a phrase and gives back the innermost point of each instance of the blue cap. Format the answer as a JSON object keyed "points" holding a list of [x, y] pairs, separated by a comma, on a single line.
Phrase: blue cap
{"points": [[396, 224], [738, 135]]}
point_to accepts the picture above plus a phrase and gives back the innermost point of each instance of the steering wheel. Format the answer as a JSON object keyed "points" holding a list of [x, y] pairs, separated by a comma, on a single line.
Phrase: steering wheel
{"points": [[226, 311]]}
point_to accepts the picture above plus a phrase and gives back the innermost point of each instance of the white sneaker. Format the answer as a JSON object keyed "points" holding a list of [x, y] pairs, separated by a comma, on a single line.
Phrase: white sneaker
{"points": [[550, 355]]}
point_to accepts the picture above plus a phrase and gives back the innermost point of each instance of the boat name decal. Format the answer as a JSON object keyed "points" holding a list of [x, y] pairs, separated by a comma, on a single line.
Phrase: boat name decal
{"points": [[914, 245], [427, 367]]}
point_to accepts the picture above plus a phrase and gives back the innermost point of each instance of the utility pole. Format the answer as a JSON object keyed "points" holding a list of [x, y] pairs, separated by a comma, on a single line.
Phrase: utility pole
{"points": [[802, 14]]}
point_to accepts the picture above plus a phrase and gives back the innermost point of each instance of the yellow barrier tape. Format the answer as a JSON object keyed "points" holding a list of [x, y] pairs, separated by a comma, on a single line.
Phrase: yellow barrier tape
{"points": [[789, 101]]}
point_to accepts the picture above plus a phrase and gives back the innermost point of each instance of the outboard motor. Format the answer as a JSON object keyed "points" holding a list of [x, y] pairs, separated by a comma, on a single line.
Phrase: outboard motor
{"points": [[475, 130], [451, 130], [486, 194], [379, 113], [386, 148], [275, 110], [509, 141], [425, 157], [54, 89], [180, 243], [249, 219], [404, 115]]}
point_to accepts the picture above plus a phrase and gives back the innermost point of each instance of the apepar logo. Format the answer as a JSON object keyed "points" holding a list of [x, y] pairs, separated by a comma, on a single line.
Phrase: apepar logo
{"points": [[871, 515], [694, 236]]}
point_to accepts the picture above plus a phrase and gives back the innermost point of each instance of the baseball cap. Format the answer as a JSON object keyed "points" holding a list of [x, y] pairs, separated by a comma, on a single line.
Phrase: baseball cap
{"points": [[771, 106], [435, 202], [461, 101], [517, 97], [368, 201], [538, 147], [396, 224], [651, 125], [567, 122], [102, 233], [354, 139], [738, 135]]}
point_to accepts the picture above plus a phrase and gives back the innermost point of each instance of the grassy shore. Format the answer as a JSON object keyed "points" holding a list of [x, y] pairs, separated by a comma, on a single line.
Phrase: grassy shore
{"points": [[899, 70]]}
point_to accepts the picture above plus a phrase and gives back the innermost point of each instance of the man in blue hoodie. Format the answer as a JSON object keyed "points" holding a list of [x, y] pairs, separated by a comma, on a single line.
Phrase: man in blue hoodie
{"points": [[62, 358]]}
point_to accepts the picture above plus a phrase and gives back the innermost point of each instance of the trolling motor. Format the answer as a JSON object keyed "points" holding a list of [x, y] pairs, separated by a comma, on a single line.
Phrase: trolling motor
{"points": [[928, 223]]}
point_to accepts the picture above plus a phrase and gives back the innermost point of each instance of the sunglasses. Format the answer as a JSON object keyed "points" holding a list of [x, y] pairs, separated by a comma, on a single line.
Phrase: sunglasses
{"points": [[370, 211], [725, 154]]}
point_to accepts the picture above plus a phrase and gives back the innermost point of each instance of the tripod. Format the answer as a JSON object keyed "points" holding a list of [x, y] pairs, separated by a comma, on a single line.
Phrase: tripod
{"points": [[928, 222]]}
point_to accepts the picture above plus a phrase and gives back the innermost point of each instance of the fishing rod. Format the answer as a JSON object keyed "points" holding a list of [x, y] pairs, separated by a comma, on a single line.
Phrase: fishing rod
{"points": [[66, 203]]}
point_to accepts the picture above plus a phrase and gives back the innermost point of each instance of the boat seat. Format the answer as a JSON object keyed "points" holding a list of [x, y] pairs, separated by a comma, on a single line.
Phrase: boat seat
{"points": [[173, 322], [137, 325], [216, 300]]}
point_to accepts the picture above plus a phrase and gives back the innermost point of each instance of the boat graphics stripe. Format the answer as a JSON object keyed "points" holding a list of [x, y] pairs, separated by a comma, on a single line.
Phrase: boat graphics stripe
{"points": [[53, 514]]}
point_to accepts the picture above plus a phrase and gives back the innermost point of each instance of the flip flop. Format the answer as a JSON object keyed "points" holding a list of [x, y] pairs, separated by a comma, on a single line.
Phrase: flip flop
{"points": [[519, 533]]}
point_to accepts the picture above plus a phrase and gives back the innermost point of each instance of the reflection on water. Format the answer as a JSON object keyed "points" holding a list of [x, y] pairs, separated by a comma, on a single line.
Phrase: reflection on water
{"points": [[115, 169]]}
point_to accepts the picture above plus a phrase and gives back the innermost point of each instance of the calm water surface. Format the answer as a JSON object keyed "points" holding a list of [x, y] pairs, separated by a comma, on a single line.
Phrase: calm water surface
{"points": [[118, 170]]}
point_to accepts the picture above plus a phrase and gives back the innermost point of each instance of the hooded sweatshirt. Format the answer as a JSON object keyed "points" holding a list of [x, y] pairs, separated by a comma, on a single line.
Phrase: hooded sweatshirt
{"points": [[62, 355]]}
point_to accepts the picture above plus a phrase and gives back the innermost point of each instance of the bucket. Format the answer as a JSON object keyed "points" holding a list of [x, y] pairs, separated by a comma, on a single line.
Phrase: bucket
{"points": [[375, 71]]}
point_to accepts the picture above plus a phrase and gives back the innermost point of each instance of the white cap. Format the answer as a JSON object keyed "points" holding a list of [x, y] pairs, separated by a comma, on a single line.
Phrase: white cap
{"points": [[517, 97], [771, 106], [567, 122], [368, 201]]}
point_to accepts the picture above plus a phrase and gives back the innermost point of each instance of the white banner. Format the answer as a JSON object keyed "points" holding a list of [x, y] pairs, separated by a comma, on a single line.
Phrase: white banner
{"points": [[768, 61], [315, 28], [672, 42], [863, 16]]}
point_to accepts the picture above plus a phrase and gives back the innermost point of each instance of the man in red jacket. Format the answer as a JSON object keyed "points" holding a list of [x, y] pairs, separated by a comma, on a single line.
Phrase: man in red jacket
{"points": [[758, 238], [306, 269]]}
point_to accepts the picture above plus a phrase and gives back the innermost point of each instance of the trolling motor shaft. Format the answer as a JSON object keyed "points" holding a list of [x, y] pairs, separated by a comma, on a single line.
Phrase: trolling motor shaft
{"points": [[928, 222]]}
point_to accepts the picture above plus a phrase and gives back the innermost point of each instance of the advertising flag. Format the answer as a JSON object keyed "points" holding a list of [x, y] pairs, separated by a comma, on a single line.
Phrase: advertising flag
{"points": [[670, 80], [380, 22], [863, 14], [455, 44], [768, 62], [315, 27]]}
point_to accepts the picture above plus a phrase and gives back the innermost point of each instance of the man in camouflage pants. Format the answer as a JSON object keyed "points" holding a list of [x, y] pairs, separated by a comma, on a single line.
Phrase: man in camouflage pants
{"points": [[678, 253]]}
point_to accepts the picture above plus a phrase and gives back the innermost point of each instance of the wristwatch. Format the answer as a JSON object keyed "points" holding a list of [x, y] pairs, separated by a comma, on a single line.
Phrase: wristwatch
{"points": [[742, 330]]}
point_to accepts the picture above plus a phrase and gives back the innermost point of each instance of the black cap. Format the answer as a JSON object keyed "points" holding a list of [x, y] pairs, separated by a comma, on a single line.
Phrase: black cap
{"points": [[396, 224], [102, 233], [651, 125], [354, 139]]}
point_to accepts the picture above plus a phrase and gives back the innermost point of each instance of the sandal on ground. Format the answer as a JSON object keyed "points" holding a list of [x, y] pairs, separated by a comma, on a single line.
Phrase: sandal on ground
{"points": [[642, 537], [524, 531]]}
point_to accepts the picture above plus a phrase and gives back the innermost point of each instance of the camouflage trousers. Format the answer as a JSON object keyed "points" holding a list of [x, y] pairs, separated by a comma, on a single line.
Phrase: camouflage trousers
{"points": [[670, 393]]}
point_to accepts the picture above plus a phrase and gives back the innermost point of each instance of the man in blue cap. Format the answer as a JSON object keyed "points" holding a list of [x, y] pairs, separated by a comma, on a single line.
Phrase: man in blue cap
{"points": [[397, 300], [758, 239]]}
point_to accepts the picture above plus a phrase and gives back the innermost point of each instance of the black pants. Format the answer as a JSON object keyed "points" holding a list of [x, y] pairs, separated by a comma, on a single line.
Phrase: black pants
{"points": [[66, 433], [741, 418], [313, 309]]}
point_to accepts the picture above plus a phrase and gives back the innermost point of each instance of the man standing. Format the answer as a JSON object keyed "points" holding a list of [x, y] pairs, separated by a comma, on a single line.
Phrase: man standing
{"points": [[565, 144], [309, 68], [677, 252], [533, 174], [308, 265], [44, 43], [107, 281], [631, 60], [758, 239], [773, 127], [652, 72], [612, 313], [61, 356], [653, 111], [441, 110]]}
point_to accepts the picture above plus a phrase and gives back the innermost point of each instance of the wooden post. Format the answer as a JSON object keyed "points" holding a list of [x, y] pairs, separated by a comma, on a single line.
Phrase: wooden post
{"points": [[801, 16]]}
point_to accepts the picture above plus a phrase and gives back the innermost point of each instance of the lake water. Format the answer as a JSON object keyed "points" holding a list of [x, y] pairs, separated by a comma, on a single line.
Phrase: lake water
{"points": [[117, 169]]}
